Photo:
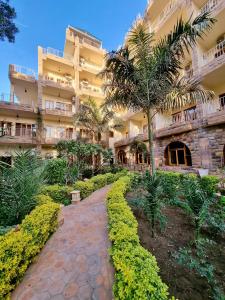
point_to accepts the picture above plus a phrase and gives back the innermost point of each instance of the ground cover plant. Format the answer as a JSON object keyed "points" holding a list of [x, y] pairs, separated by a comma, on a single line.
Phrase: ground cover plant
{"points": [[189, 248]]}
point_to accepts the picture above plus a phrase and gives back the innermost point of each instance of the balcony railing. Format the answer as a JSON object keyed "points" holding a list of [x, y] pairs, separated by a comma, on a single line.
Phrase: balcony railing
{"points": [[166, 12], [11, 100], [22, 70], [210, 6], [18, 132], [187, 115], [57, 53], [91, 89], [214, 53], [89, 65], [59, 81]]}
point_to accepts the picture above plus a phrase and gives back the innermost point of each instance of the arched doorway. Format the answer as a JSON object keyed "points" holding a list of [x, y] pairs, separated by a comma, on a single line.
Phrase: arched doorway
{"points": [[121, 156], [177, 154]]}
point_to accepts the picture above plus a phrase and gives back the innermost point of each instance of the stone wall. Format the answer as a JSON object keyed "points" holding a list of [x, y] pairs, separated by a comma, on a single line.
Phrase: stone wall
{"points": [[206, 145]]}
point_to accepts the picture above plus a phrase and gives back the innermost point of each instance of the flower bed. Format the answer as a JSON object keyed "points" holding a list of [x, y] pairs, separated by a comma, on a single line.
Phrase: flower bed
{"points": [[18, 248], [136, 270]]}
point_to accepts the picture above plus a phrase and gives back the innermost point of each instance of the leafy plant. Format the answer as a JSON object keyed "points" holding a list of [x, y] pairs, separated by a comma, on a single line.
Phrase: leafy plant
{"points": [[8, 28], [150, 198], [19, 185], [55, 171], [196, 258]]}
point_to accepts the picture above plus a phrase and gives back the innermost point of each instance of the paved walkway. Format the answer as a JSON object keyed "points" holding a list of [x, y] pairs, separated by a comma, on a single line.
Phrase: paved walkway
{"points": [[74, 263]]}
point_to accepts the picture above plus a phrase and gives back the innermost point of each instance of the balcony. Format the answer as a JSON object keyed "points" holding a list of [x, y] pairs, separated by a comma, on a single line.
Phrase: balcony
{"points": [[18, 135], [58, 108], [11, 102], [215, 114], [57, 53], [91, 90], [128, 140], [22, 73], [90, 66], [58, 82], [180, 122], [213, 58], [170, 8], [53, 135]]}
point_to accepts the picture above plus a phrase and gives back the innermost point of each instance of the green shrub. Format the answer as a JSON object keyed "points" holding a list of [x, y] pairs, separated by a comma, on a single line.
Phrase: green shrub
{"points": [[170, 182], [59, 194], [99, 181], [55, 171], [209, 184], [136, 270], [43, 199], [86, 188], [18, 248]]}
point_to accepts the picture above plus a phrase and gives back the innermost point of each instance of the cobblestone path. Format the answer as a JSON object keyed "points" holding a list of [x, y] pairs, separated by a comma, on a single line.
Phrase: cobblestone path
{"points": [[74, 264]]}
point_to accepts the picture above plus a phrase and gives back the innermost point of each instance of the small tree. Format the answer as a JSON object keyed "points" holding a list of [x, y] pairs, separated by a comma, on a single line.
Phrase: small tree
{"points": [[8, 28], [97, 120]]}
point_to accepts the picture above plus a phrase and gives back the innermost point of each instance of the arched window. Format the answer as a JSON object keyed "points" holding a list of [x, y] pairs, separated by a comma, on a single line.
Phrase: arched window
{"points": [[122, 158], [178, 154]]}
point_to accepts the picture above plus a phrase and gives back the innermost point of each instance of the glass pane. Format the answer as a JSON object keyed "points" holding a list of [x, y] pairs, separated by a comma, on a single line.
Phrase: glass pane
{"points": [[173, 157], [181, 160]]}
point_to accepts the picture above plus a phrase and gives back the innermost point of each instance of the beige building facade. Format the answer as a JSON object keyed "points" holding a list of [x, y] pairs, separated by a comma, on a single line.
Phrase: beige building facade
{"points": [[38, 112], [193, 137]]}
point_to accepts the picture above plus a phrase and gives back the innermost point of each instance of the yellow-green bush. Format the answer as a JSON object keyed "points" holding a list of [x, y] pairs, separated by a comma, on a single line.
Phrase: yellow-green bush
{"points": [[59, 193], [85, 188], [18, 248], [99, 181], [43, 199], [136, 270]]}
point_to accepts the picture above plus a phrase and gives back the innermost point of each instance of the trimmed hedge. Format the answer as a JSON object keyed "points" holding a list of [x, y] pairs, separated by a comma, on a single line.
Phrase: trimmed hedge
{"points": [[18, 248], [136, 270], [86, 188], [59, 194], [43, 199]]}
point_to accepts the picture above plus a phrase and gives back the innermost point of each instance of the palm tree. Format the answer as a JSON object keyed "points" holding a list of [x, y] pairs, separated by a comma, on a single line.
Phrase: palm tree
{"points": [[146, 76], [97, 120]]}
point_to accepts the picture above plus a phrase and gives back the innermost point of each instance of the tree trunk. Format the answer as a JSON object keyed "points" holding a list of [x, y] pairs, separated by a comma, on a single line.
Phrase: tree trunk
{"points": [[150, 141]]}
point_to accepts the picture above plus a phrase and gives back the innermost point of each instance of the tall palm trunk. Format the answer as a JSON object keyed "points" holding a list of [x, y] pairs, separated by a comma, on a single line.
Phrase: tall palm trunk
{"points": [[150, 141]]}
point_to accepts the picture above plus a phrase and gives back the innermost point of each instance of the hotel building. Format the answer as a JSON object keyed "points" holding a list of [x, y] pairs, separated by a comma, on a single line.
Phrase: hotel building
{"points": [[193, 137]]}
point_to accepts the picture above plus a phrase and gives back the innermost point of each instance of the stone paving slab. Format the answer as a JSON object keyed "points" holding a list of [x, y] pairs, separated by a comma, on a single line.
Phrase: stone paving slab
{"points": [[74, 264]]}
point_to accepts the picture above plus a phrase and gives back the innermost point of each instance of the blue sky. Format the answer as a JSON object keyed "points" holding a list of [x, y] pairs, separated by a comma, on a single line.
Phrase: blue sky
{"points": [[43, 22]]}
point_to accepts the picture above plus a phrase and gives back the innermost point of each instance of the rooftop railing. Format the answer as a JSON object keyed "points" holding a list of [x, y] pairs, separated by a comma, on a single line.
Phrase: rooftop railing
{"points": [[23, 70], [11, 99]]}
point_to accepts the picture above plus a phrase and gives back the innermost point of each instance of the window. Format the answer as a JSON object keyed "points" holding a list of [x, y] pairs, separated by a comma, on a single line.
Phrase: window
{"points": [[178, 154], [222, 101], [5, 128], [25, 129]]}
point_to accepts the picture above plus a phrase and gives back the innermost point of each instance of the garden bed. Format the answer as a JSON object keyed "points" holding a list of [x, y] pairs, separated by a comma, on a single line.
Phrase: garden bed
{"points": [[179, 231]]}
